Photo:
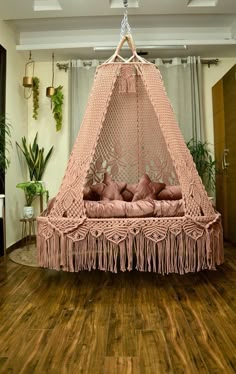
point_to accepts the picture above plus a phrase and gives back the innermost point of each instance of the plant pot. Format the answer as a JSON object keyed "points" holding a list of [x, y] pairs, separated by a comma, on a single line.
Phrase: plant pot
{"points": [[50, 91], [28, 212], [2, 197], [27, 81]]}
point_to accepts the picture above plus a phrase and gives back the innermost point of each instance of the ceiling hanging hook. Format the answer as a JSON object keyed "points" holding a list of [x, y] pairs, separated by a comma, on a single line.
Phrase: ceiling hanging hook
{"points": [[125, 27]]}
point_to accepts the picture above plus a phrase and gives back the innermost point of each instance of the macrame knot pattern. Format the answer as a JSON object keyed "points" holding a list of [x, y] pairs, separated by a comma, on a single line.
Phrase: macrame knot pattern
{"points": [[127, 80]]}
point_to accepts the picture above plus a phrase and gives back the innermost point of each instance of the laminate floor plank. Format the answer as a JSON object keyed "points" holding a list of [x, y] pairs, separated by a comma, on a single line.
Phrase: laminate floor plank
{"points": [[127, 323]]}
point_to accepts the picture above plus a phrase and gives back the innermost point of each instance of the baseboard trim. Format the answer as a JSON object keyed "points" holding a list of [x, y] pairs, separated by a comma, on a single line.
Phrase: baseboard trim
{"points": [[21, 243]]}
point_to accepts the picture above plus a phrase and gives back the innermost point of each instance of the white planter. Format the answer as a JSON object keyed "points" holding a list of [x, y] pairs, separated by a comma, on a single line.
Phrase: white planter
{"points": [[28, 212], [2, 197]]}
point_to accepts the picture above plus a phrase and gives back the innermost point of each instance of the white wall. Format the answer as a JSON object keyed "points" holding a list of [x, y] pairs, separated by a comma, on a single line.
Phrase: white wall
{"points": [[211, 76], [16, 110], [46, 127]]}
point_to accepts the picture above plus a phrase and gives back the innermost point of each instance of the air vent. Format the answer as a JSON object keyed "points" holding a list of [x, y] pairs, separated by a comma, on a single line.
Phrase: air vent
{"points": [[46, 5], [120, 4], [202, 3]]}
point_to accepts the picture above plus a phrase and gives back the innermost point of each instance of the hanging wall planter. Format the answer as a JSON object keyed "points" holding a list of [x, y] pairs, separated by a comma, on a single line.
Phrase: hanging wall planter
{"points": [[28, 78], [57, 99], [51, 90], [31, 86]]}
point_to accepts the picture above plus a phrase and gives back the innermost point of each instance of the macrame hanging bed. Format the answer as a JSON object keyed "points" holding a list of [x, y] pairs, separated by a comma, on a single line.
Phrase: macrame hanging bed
{"points": [[129, 143]]}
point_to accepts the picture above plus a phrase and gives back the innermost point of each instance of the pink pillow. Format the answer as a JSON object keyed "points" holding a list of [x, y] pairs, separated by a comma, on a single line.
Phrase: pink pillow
{"points": [[89, 194], [170, 193], [109, 189], [146, 189], [128, 193]]}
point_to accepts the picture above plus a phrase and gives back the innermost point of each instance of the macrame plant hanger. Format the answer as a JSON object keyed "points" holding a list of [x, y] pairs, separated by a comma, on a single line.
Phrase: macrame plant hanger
{"points": [[125, 36]]}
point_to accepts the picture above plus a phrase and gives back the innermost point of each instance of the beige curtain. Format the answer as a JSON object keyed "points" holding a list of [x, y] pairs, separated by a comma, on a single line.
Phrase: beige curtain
{"points": [[183, 82], [80, 83]]}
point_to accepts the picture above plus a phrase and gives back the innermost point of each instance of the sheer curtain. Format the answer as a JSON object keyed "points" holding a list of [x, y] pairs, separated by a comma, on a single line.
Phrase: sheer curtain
{"points": [[81, 81], [183, 83]]}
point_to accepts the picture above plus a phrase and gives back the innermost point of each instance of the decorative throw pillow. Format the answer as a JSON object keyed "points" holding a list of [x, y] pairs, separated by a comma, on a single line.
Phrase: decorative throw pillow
{"points": [[170, 193], [146, 189], [109, 189], [89, 194], [128, 193]]}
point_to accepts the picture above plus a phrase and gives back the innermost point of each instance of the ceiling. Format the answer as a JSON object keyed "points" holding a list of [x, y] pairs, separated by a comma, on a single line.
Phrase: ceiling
{"points": [[206, 27]]}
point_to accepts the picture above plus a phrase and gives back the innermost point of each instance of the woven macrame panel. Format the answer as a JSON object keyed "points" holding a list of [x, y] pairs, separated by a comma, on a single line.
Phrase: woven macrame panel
{"points": [[131, 142]]}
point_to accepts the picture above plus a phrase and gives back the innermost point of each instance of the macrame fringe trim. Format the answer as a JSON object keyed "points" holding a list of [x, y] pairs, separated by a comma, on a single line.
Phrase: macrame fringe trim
{"points": [[173, 254]]}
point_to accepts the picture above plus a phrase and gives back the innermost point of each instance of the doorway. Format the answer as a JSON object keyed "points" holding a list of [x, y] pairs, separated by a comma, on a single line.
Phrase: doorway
{"points": [[224, 114]]}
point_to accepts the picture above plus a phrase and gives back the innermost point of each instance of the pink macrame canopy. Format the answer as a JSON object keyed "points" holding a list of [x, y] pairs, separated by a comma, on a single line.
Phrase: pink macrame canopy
{"points": [[129, 129]]}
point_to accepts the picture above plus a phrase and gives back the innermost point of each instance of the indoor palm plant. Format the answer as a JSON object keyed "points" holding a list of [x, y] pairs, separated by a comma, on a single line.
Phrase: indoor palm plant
{"points": [[35, 159], [31, 190], [204, 162]]}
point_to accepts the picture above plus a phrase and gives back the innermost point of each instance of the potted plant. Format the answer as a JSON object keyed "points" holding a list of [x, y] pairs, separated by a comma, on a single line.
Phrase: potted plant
{"points": [[57, 102], [31, 190], [34, 157], [204, 162], [35, 89], [5, 144]]}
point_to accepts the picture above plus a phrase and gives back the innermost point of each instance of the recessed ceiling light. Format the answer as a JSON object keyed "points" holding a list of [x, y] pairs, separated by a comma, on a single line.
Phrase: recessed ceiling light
{"points": [[120, 4], [45, 5], [202, 3]]}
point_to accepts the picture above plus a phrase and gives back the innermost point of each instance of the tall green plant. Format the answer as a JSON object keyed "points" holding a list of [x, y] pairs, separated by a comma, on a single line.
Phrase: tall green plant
{"points": [[204, 162], [57, 103], [34, 157], [5, 143]]}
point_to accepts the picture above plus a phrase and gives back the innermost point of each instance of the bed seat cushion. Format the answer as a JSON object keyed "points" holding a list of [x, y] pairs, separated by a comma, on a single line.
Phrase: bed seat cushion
{"points": [[168, 208], [137, 209]]}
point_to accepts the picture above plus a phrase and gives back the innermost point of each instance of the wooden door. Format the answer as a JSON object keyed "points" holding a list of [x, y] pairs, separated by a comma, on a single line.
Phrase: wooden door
{"points": [[219, 141], [229, 89], [224, 114]]}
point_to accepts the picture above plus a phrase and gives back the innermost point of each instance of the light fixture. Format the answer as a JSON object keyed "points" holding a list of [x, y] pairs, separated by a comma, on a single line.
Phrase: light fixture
{"points": [[164, 46]]}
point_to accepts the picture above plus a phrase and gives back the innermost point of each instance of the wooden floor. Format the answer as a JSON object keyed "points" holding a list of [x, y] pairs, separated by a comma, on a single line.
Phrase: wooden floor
{"points": [[54, 322]]}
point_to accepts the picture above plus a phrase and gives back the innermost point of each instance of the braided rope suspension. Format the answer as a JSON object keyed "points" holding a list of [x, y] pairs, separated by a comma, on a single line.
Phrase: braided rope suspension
{"points": [[125, 27]]}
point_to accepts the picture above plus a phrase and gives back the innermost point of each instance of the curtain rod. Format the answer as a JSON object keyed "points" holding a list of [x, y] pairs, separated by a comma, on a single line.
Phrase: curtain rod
{"points": [[204, 61]]}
